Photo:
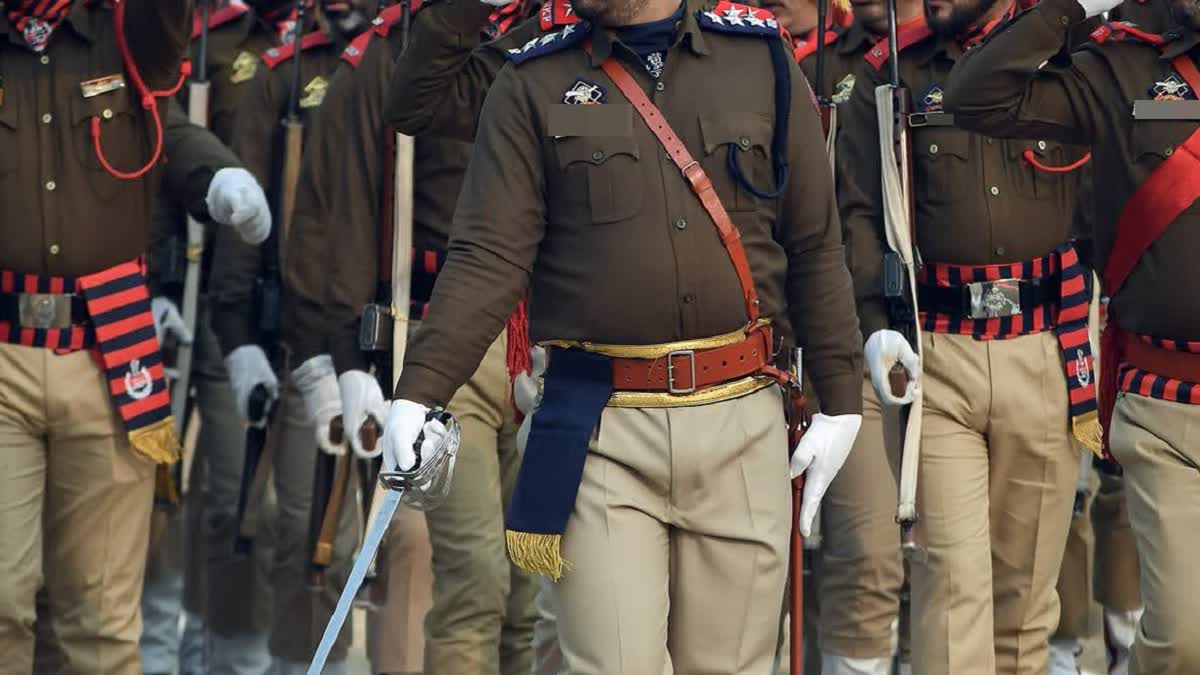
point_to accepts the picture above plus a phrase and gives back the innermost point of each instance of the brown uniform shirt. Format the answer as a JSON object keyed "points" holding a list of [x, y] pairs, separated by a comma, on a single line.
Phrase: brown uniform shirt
{"points": [[334, 251], [256, 141], [843, 58], [63, 213], [582, 204], [998, 89], [441, 81], [978, 201], [234, 51]]}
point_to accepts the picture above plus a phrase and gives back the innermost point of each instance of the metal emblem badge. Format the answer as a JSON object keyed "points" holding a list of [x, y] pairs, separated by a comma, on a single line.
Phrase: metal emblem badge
{"points": [[994, 299], [932, 100], [102, 85], [138, 382], [37, 34], [842, 90], [1170, 88], [314, 92], [584, 93], [1083, 369], [244, 67], [43, 311]]}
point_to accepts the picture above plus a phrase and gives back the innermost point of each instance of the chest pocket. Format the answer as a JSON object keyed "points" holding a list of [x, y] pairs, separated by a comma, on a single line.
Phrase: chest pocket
{"points": [[599, 180], [122, 139], [940, 156], [750, 136], [1153, 142], [1043, 169]]}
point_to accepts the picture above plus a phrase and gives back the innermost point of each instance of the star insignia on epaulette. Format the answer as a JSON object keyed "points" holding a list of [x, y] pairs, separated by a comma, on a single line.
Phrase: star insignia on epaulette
{"points": [[734, 16]]}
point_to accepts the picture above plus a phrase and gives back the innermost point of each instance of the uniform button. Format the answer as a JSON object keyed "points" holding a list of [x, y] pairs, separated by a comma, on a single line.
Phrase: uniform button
{"points": [[681, 224], [107, 114], [744, 141], [1041, 145], [54, 249], [660, 87], [47, 118], [687, 299], [1169, 151], [933, 148], [45, 60], [995, 190], [988, 141], [51, 185], [999, 250], [598, 155]]}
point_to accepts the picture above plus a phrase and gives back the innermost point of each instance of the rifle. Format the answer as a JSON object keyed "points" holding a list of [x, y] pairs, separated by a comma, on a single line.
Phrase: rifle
{"points": [[268, 303], [900, 263]]}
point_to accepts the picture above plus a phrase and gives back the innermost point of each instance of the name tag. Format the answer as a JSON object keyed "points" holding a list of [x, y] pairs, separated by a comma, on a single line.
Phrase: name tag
{"points": [[102, 85], [1166, 110]]}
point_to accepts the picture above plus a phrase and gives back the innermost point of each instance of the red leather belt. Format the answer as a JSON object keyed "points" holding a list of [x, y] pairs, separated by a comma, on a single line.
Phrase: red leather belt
{"points": [[1171, 364], [686, 371]]}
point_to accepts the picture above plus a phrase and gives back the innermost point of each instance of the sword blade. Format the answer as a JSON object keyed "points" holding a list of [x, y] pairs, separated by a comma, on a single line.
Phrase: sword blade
{"points": [[370, 546]]}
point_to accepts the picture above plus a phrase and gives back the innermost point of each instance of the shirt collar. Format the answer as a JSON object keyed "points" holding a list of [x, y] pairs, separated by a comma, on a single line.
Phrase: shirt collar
{"points": [[1180, 41], [689, 34], [81, 20]]}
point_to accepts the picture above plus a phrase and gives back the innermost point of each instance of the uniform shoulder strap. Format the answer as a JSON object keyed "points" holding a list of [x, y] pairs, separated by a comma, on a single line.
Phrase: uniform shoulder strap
{"points": [[906, 35], [353, 53], [807, 47], [733, 17], [564, 38], [1122, 31], [218, 17], [277, 56], [556, 13]]}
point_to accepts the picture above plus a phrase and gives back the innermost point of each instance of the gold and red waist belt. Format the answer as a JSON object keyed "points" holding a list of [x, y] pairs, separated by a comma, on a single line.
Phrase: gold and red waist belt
{"points": [[1168, 370], [997, 302], [691, 372], [109, 313]]}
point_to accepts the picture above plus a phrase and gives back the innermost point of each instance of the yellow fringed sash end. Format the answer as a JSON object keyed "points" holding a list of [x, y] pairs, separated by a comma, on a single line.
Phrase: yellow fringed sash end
{"points": [[158, 442], [1087, 430], [843, 5], [537, 553]]}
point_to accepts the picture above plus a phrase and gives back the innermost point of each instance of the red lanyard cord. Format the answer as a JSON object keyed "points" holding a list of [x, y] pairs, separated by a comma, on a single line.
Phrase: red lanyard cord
{"points": [[148, 96], [1029, 157]]}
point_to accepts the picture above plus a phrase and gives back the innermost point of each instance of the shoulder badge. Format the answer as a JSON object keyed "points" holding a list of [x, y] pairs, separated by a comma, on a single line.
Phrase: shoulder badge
{"points": [[549, 43], [390, 17], [1171, 87], [218, 17], [276, 56], [843, 89], [354, 51], [556, 13], [245, 65], [1122, 31], [808, 46], [931, 99], [584, 93], [314, 93], [732, 17], [906, 36]]}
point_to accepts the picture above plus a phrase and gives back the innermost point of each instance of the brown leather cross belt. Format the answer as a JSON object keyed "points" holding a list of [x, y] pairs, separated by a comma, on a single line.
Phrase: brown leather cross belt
{"points": [[688, 370], [1175, 365]]}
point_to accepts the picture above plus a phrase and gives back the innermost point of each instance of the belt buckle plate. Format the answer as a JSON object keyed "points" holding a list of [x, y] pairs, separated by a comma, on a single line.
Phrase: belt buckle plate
{"points": [[994, 299], [690, 354], [44, 311]]}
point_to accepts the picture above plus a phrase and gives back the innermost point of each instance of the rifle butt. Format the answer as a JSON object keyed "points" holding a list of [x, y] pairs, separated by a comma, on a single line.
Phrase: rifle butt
{"points": [[293, 147]]}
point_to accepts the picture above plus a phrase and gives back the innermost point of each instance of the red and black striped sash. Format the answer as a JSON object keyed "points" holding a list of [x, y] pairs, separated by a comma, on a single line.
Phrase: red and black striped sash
{"points": [[1143, 383], [36, 20], [1068, 318], [121, 330], [426, 263]]}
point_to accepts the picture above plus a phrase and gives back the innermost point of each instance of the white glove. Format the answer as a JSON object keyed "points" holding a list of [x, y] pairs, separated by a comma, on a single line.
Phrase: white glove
{"points": [[820, 455], [361, 398], [318, 385], [496, 3], [168, 321], [1097, 7], [248, 368], [405, 421], [236, 199], [884, 349], [527, 394]]}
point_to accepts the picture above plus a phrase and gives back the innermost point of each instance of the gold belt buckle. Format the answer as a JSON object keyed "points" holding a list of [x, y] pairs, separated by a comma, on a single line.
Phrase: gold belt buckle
{"points": [[994, 299], [44, 311]]}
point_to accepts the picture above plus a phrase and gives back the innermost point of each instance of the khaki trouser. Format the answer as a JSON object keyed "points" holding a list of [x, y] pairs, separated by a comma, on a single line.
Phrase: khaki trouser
{"points": [[1116, 548], [1158, 444], [679, 541], [1076, 575], [862, 569], [996, 485], [395, 639], [74, 510], [481, 621]]}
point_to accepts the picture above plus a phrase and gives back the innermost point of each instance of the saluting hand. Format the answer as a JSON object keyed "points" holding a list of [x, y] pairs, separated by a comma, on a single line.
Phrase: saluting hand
{"points": [[361, 398], [318, 385], [236, 199], [819, 456]]}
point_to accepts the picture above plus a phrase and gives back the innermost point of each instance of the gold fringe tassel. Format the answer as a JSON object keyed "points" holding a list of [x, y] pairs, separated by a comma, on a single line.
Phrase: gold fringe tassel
{"points": [[537, 553], [1086, 428], [843, 5], [158, 442]]}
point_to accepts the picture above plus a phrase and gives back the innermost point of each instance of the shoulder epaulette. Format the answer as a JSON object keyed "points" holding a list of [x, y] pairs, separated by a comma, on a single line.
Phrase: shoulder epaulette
{"points": [[217, 18], [906, 36], [806, 48], [556, 13], [275, 56], [1123, 31], [354, 51], [732, 17], [567, 36]]}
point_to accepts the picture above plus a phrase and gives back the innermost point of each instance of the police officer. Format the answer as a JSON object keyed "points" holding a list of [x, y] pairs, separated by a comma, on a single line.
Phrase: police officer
{"points": [[660, 501], [1003, 381], [79, 287], [1123, 97], [294, 611]]}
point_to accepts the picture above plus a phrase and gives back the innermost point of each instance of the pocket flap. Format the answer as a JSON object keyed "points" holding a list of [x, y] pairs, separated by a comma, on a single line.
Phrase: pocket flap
{"points": [[744, 130]]}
